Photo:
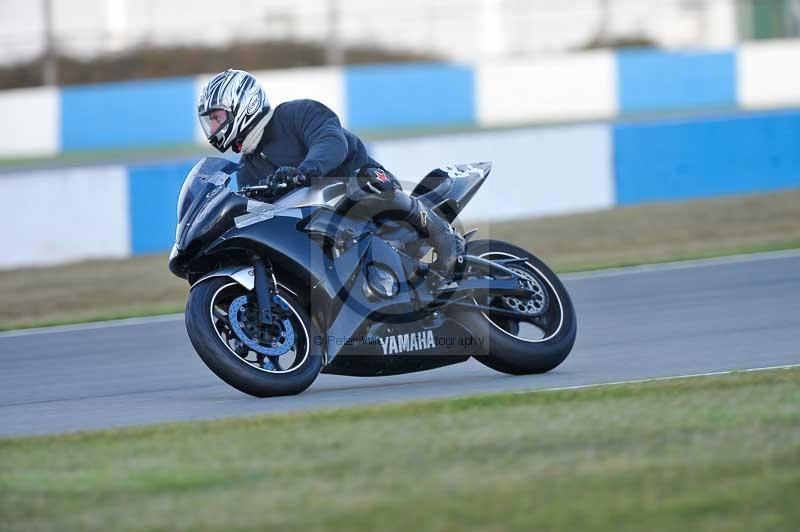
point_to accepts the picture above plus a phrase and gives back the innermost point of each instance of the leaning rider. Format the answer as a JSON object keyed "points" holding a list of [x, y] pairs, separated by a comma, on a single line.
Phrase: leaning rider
{"points": [[301, 143]]}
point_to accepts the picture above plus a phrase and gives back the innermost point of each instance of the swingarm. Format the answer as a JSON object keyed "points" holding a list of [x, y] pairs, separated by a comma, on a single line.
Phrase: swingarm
{"points": [[503, 281]]}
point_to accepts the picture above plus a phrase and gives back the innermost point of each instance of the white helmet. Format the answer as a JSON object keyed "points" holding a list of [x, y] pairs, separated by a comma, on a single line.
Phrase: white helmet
{"points": [[241, 96]]}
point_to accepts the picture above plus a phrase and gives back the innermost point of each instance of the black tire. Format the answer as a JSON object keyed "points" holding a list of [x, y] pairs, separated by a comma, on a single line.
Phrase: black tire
{"points": [[509, 354], [232, 368]]}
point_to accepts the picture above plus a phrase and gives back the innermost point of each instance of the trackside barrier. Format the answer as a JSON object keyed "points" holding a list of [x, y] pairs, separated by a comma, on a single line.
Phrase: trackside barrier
{"points": [[702, 158], [415, 97], [69, 214], [55, 216]]}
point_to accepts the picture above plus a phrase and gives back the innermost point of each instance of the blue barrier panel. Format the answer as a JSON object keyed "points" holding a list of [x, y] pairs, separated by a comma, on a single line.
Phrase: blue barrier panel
{"points": [[129, 114], [402, 96], [681, 160], [153, 193], [655, 81]]}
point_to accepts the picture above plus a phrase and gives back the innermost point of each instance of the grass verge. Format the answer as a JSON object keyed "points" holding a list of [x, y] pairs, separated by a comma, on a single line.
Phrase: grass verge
{"points": [[711, 453], [117, 156], [97, 290]]}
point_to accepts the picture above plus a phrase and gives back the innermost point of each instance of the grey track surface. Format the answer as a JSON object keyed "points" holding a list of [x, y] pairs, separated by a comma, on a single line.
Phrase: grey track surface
{"points": [[634, 324]]}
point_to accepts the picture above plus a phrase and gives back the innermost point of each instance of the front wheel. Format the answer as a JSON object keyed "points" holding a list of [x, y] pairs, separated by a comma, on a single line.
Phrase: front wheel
{"points": [[541, 336], [223, 326]]}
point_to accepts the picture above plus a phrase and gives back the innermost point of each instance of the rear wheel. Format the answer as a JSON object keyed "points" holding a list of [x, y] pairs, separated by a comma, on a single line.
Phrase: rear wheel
{"points": [[543, 333], [222, 322]]}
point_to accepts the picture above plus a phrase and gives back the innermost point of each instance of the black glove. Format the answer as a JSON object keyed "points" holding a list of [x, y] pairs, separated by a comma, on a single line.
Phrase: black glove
{"points": [[288, 175]]}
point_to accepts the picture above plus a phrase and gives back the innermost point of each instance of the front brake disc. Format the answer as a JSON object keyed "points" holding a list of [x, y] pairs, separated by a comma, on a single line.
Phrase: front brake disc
{"points": [[279, 344]]}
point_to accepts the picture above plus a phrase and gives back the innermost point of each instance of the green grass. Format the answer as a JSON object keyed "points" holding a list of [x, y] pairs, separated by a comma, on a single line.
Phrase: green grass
{"points": [[659, 232], [714, 454], [107, 289], [116, 156]]}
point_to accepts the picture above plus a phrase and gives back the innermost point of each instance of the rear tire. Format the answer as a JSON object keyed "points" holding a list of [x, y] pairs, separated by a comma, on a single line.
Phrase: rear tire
{"points": [[507, 353], [234, 369]]}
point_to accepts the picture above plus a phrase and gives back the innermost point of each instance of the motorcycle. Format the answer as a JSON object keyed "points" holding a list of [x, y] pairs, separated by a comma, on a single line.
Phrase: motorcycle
{"points": [[285, 287]]}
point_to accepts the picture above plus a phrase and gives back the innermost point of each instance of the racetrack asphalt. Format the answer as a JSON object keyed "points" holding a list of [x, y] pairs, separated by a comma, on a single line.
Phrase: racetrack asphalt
{"points": [[634, 323]]}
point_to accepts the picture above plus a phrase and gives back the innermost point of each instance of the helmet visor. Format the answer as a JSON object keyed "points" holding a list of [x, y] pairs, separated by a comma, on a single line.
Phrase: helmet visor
{"points": [[214, 124]]}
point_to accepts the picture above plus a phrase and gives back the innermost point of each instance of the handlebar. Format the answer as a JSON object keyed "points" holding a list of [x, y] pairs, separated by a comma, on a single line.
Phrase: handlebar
{"points": [[256, 190], [272, 189]]}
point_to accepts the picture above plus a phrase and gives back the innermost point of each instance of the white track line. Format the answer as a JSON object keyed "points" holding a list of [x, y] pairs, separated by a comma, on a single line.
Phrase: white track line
{"points": [[610, 272], [93, 325], [684, 264], [655, 379]]}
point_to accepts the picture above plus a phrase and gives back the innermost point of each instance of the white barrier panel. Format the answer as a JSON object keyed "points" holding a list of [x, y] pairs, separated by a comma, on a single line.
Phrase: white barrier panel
{"points": [[324, 84], [54, 216], [548, 89], [31, 122], [537, 171], [768, 75]]}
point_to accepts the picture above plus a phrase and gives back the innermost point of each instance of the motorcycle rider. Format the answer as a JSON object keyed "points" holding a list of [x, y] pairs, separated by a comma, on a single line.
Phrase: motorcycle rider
{"points": [[302, 143]]}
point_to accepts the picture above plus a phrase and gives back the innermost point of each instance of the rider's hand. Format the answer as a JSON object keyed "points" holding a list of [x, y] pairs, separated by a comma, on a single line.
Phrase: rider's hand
{"points": [[289, 175]]}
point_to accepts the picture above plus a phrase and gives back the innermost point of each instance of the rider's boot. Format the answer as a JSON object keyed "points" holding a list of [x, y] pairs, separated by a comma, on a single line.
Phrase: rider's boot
{"points": [[448, 244]]}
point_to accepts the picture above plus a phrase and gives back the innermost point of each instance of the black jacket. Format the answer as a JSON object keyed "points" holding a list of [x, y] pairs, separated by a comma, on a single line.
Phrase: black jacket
{"points": [[307, 135]]}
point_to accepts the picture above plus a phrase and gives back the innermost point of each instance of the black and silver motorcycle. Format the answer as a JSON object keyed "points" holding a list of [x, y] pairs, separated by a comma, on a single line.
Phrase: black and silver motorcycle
{"points": [[284, 289]]}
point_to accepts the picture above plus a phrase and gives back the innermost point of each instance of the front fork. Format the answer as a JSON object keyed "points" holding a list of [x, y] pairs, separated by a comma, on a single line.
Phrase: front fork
{"points": [[265, 289]]}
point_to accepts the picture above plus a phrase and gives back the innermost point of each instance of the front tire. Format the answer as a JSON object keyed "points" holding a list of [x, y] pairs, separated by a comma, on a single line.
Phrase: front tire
{"points": [[506, 349], [217, 345]]}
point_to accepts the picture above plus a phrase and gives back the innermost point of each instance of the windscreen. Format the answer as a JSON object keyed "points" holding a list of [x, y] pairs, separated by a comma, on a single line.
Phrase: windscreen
{"points": [[207, 174]]}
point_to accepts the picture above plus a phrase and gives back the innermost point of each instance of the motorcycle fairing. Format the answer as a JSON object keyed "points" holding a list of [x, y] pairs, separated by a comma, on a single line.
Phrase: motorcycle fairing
{"points": [[277, 240], [448, 189], [333, 286], [391, 349], [354, 307], [208, 173], [327, 223]]}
